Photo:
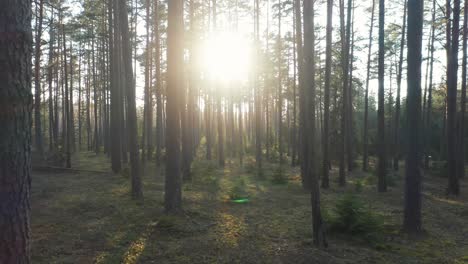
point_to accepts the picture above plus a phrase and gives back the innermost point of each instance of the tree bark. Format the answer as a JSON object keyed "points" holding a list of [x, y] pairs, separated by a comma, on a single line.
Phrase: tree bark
{"points": [[413, 175], [381, 167], [37, 82], [396, 140], [453, 184], [326, 102], [365, 155], [308, 126], [15, 133], [173, 186], [137, 192]]}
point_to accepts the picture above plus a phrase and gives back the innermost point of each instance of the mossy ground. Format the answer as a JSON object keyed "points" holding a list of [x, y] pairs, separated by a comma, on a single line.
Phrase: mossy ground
{"points": [[89, 217]]}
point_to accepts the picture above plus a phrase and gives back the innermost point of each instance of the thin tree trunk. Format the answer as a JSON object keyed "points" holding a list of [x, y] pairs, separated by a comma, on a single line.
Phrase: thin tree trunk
{"points": [[396, 143], [326, 103], [37, 82], [381, 167], [461, 132]]}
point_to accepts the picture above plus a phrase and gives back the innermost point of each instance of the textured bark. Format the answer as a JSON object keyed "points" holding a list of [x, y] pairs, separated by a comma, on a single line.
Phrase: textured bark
{"points": [[308, 126], [453, 183], [365, 155], [15, 132], [326, 103], [381, 166], [137, 192], [413, 173], [173, 182]]}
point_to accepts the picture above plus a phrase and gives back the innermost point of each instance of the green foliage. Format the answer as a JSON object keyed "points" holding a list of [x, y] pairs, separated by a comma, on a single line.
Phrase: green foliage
{"points": [[392, 178], [125, 172], [370, 179], [167, 221], [238, 189], [279, 177], [359, 185], [352, 217]]}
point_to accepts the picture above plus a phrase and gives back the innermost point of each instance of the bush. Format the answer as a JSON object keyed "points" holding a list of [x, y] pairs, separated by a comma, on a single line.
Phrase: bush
{"points": [[353, 218], [359, 185], [238, 190], [279, 177]]}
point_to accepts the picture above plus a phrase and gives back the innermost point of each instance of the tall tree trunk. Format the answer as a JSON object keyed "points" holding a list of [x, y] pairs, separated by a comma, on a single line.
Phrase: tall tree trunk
{"points": [[175, 50], [37, 82], [68, 130], [365, 155], [50, 69], [114, 43], [280, 91], [137, 192], [453, 184], [396, 140], [15, 140], [300, 67], [258, 117], [326, 103], [157, 56], [381, 167], [461, 132], [413, 175], [428, 124], [344, 101], [308, 126]]}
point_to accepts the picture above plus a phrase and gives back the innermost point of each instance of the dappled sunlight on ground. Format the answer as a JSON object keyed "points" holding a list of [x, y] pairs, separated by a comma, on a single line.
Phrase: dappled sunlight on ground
{"points": [[89, 217], [231, 229]]}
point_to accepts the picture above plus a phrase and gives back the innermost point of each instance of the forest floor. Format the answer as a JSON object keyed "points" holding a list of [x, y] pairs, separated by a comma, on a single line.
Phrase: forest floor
{"points": [[88, 217]]}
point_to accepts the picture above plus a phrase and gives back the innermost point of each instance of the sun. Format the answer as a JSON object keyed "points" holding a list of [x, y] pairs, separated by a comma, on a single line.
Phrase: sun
{"points": [[225, 56]]}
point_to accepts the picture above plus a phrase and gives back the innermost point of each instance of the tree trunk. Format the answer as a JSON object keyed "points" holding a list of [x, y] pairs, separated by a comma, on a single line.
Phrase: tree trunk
{"points": [[428, 124], [37, 82], [381, 167], [68, 130], [308, 126], [453, 184], [137, 192], [15, 136], [173, 186], [365, 155], [461, 132], [326, 103], [396, 140], [114, 43], [413, 175]]}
